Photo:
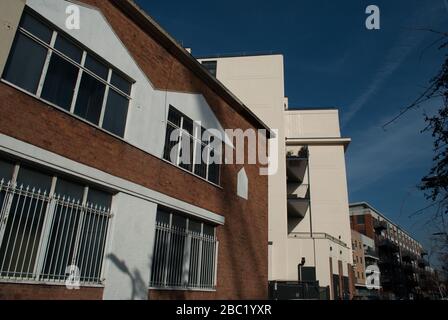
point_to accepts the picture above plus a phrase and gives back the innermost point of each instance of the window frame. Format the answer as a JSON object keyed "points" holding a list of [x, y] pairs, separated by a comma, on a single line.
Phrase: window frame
{"points": [[197, 143], [51, 50], [47, 228], [185, 248]]}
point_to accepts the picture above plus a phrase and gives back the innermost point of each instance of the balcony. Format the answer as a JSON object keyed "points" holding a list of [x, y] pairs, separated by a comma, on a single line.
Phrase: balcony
{"points": [[297, 206], [379, 226], [387, 244], [370, 253], [296, 165], [408, 257]]}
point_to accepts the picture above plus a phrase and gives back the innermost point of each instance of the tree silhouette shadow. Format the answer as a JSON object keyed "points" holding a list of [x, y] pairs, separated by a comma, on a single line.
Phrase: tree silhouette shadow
{"points": [[139, 286]]}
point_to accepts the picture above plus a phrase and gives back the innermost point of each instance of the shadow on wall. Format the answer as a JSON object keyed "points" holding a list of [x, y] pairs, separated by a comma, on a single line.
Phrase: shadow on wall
{"points": [[139, 287]]}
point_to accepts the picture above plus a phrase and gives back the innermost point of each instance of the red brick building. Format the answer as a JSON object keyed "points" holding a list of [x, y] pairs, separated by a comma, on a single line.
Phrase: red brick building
{"points": [[90, 94]]}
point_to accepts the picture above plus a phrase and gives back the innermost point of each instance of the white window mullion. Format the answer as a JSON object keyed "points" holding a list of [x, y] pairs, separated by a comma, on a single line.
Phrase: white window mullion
{"points": [[207, 164], [7, 203], [215, 277], [80, 226], [44, 239], [46, 64], [168, 252], [198, 284], [78, 82], [106, 95], [179, 147], [196, 132], [186, 256]]}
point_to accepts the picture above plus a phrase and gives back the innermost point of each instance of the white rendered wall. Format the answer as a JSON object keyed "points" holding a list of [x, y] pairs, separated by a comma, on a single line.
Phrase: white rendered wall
{"points": [[129, 256]]}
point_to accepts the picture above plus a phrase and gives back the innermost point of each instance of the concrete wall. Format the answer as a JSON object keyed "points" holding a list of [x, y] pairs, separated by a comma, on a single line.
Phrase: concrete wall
{"points": [[329, 208], [312, 123]]}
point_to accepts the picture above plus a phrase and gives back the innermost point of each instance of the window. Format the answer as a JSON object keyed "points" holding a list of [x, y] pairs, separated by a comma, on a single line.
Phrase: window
{"points": [[49, 65], [211, 66], [360, 219], [49, 223], [184, 253], [191, 147]]}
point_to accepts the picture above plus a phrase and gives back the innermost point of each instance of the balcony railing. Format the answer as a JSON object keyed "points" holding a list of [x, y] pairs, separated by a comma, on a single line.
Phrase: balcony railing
{"points": [[371, 253], [387, 244], [316, 235], [379, 226]]}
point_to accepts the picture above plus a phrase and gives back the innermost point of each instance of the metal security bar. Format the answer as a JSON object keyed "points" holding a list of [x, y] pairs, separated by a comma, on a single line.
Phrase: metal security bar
{"points": [[183, 259], [42, 235]]}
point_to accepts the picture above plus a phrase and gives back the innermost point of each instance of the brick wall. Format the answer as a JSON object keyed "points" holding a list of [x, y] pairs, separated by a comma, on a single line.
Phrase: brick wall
{"points": [[45, 292], [242, 264]]}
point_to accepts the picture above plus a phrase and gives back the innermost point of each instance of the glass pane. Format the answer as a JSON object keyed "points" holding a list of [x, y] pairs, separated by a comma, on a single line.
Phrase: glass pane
{"points": [[121, 83], [36, 27], [188, 125], [194, 226], [91, 249], [18, 251], [96, 67], [60, 82], [116, 113], [200, 167], [6, 170], [24, 224], [186, 152], [174, 116], [210, 66], [68, 48], [69, 189], [179, 222], [209, 230], [90, 99], [163, 216], [65, 221], [171, 132], [25, 63], [213, 169], [176, 255], [100, 198], [34, 179]]}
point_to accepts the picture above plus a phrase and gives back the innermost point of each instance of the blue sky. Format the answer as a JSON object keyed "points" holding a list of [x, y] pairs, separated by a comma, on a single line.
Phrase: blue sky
{"points": [[332, 60]]}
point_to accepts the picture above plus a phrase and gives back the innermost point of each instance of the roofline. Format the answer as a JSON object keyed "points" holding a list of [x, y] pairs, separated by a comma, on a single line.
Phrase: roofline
{"points": [[239, 55], [364, 203], [292, 109], [151, 27]]}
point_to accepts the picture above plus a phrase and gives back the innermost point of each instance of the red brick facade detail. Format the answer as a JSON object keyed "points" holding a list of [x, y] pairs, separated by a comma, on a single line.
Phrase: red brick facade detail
{"points": [[365, 228], [45, 292], [243, 250]]}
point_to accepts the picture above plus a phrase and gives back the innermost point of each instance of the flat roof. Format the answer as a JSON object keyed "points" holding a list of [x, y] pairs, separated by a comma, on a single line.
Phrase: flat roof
{"points": [[239, 54], [367, 205]]}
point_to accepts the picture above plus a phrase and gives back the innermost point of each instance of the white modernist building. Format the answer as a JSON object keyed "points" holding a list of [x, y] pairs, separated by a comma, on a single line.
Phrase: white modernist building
{"points": [[308, 199]]}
